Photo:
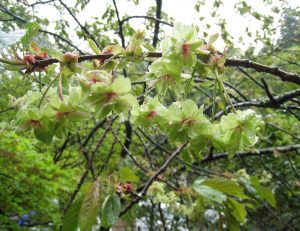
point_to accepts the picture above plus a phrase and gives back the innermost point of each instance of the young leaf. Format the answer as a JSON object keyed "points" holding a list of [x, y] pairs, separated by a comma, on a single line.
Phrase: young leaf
{"points": [[263, 192], [70, 221], [232, 223], [226, 186], [213, 38], [32, 29], [127, 174], [89, 209], [237, 210], [110, 210], [94, 47], [208, 192]]}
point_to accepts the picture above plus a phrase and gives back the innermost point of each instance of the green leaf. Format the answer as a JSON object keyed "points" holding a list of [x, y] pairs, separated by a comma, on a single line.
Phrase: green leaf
{"points": [[226, 186], [127, 174], [70, 221], [89, 209], [213, 38], [232, 223], [110, 210], [44, 134], [94, 47], [189, 107], [8, 39], [237, 210], [32, 29], [148, 46], [263, 192], [121, 85], [208, 192]]}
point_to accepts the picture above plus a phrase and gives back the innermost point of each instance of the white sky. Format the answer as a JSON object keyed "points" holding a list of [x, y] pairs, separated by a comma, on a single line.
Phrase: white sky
{"points": [[181, 10]]}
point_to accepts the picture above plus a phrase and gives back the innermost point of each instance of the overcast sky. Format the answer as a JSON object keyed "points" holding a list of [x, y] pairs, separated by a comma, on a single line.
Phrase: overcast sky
{"points": [[182, 10]]}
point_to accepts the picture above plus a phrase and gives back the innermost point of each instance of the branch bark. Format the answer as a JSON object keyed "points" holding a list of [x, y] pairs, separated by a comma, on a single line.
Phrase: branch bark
{"points": [[146, 17], [77, 21], [156, 27], [256, 152], [264, 102], [153, 178], [284, 76]]}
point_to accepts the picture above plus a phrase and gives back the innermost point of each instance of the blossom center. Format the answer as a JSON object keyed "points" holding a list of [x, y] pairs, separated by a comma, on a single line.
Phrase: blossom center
{"points": [[188, 121], [185, 50], [35, 123], [110, 96], [151, 114]]}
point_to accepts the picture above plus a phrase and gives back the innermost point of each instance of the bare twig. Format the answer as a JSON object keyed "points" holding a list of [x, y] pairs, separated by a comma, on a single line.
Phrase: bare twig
{"points": [[255, 152], [264, 102], [77, 21], [88, 165], [120, 24], [284, 76], [156, 27], [146, 17], [153, 178], [42, 31]]}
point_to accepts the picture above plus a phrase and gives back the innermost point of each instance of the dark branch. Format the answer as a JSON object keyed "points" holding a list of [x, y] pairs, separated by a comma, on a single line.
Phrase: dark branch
{"points": [[268, 92], [77, 21], [89, 165], [152, 179], [36, 3], [92, 132], [146, 17], [7, 109], [128, 138], [156, 27], [255, 152], [120, 24], [42, 31], [284, 76], [264, 102]]}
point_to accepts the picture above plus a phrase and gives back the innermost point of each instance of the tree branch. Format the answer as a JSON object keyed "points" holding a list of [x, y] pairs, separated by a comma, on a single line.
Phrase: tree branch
{"points": [[7, 109], [153, 178], [146, 17], [88, 165], [42, 31], [156, 27], [36, 3], [264, 102], [256, 152], [284, 76], [77, 21], [120, 24]]}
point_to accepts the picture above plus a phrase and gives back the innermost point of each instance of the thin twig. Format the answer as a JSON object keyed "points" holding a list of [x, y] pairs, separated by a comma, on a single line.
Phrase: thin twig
{"points": [[255, 152]]}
